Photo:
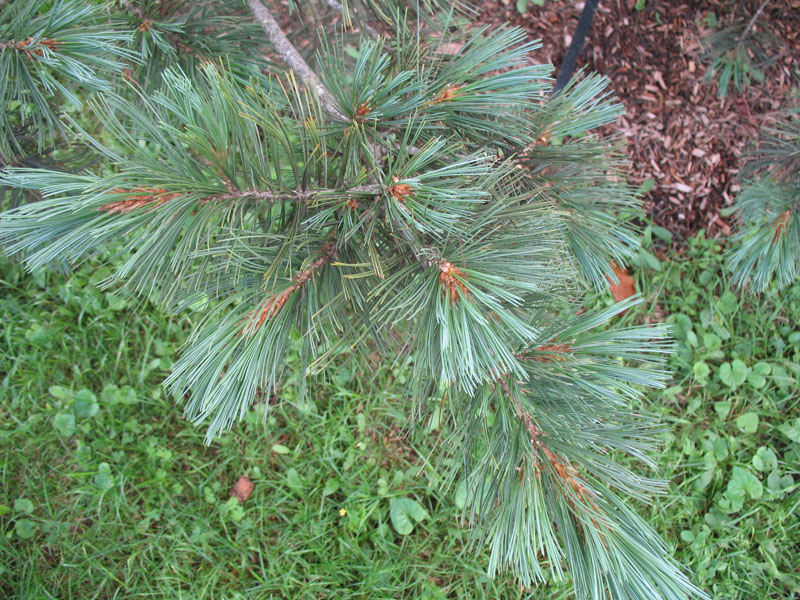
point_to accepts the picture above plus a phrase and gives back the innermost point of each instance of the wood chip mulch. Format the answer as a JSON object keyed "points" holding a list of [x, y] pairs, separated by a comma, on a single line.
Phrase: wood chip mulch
{"points": [[679, 132]]}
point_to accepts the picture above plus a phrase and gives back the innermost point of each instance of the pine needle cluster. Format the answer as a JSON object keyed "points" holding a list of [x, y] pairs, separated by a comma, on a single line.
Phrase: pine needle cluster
{"points": [[766, 246], [740, 51]]}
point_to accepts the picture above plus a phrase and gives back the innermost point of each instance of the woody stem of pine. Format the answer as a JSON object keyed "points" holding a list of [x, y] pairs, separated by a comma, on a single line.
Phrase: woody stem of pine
{"points": [[292, 57], [753, 20], [296, 195]]}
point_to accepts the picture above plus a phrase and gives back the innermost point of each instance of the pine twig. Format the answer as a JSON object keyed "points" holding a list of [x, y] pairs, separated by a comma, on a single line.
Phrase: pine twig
{"points": [[296, 195], [155, 197], [754, 19], [292, 57], [273, 304]]}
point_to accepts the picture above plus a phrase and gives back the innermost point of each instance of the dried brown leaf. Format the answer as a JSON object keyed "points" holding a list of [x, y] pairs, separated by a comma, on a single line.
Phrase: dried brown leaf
{"points": [[242, 488], [625, 288]]}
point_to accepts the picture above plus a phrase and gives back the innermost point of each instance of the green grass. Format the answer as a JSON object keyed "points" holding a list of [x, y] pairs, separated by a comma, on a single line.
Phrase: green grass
{"points": [[108, 493], [732, 450]]}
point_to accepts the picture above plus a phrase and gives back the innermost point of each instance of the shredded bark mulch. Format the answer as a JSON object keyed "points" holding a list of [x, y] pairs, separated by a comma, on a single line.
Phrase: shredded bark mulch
{"points": [[679, 132]]}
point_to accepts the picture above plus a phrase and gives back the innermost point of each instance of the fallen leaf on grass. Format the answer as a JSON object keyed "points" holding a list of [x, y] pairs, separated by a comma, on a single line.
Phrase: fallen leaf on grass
{"points": [[626, 286], [242, 489]]}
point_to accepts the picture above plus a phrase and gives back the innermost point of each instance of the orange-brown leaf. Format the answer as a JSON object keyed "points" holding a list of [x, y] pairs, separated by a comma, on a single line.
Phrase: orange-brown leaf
{"points": [[138, 198], [271, 307], [550, 352], [363, 110], [450, 279], [448, 93], [626, 286], [242, 488], [26, 46]]}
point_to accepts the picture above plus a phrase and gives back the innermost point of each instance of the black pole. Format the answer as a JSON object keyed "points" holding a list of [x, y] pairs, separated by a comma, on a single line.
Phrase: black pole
{"points": [[578, 39]]}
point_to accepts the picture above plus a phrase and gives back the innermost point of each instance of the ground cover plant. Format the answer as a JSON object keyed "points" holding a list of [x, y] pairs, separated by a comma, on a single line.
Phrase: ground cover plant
{"points": [[108, 492], [731, 453]]}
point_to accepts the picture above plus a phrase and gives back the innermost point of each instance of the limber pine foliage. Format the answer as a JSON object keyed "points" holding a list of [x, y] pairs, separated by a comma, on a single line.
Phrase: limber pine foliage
{"points": [[53, 55], [437, 206], [766, 245], [50, 54], [739, 51]]}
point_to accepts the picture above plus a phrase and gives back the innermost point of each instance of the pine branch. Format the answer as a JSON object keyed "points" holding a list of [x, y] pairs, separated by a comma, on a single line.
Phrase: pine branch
{"points": [[298, 238], [273, 304], [295, 196], [150, 198], [292, 57], [753, 20]]}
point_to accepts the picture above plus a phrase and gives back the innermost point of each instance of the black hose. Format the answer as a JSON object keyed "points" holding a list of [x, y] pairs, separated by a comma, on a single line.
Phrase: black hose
{"points": [[578, 40]]}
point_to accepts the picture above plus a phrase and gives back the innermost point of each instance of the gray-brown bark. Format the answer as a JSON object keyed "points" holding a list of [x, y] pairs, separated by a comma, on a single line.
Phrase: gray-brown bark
{"points": [[292, 57]]}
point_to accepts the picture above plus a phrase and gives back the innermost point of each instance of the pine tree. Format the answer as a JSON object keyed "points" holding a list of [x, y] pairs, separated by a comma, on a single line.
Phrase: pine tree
{"points": [[423, 196], [766, 245]]}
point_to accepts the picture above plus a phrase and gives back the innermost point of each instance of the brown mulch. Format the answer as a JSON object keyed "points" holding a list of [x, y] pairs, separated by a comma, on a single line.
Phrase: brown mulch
{"points": [[679, 132]]}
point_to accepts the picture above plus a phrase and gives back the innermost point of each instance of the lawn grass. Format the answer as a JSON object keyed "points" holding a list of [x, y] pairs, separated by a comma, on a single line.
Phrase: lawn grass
{"points": [[108, 493], [732, 448]]}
